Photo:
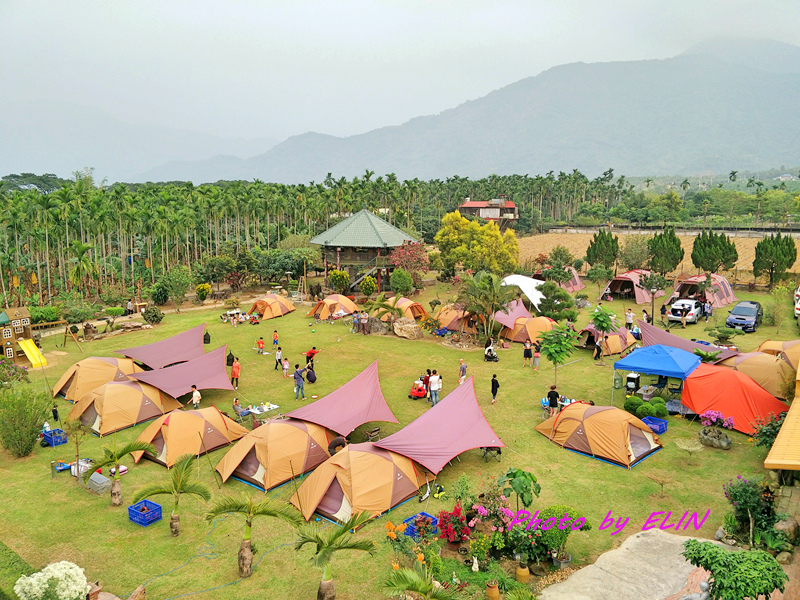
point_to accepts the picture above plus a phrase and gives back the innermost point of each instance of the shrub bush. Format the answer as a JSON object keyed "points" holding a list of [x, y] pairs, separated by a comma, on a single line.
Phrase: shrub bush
{"points": [[767, 431], [153, 315], [657, 400], [555, 537], [11, 373], [632, 403], [368, 286], [159, 294], [44, 314], [202, 292], [645, 410], [401, 282], [660, 411], [232, 302], [22, 413], [751, 499], [339, 281]]}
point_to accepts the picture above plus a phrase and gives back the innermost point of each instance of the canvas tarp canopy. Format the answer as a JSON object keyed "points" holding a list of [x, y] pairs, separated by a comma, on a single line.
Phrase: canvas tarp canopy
{"points": [[271, 306], [516, 310], [359, 478], [789, 351], [454, 425], [732, 393], [720, 293], [411, 309], [659, 360], [456, 320], [276, 452], [575, 284], [628, 282], [120, 404], [619, 339], [528, 285], [188, 432], [178, 348], [206, 372], [604, 432], [333, 305], [767, 370], [358, 401], [89, 373], [527, 329], [652, 336]]}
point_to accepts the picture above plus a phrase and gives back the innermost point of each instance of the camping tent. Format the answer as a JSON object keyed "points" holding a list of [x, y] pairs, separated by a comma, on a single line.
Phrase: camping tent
{"points": [[516, 310], [359, 478], [188, 432], [574, 284], [767, 370], [456, 320], [789, 351], [206, 372], [619, 339], [652, 336], [628, 284], [335, 304], [454, 425], [120, 404], [178, 348], [527, 329], [271, 306], [92, 372], [411, 309], [276, 452], [720, 293], [659, 360], [732, 393], [528, 285], [603, 432]]}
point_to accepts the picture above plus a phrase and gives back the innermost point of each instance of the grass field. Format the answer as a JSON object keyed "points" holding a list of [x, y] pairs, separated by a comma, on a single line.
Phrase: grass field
{"points": [[47, 520]]}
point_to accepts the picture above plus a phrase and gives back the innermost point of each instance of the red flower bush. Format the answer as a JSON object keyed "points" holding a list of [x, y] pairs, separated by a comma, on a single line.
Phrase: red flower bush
{"points": [[453, 525]]}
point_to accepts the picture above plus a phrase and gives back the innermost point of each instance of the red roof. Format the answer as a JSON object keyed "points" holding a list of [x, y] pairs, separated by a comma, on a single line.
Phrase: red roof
{"points": [[480, 204]]}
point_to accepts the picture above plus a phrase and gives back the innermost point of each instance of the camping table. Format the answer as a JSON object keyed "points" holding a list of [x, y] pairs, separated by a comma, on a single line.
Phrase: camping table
{"points": [[263, 409], [647, 392]]}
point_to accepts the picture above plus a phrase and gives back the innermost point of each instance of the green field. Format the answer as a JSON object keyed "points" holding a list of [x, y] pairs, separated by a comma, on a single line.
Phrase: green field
{"points": [[47, 520]]}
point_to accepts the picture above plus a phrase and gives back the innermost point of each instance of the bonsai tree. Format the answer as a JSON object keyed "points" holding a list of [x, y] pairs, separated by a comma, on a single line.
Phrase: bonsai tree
{"points": [[523, 483], [113, 458], [327, 542], [114, 312], [179, 483], [247, 507], [558, 344], [557, 304], [418, 580], [721, 334]]}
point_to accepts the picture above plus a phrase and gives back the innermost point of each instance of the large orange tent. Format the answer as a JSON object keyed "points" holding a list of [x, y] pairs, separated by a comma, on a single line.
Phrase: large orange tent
{"points": [[411, 309], [602, 432], [455, 319], [89, 373], [789, 351], [731, 393], [619, 339], [188, 432], [335, 304], [527, 329], [769, 371], [120, 404], [271, 306]]}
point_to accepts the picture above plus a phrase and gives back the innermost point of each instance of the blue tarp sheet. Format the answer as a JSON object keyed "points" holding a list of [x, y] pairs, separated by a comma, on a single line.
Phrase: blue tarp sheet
{"points": [[659, 360]]}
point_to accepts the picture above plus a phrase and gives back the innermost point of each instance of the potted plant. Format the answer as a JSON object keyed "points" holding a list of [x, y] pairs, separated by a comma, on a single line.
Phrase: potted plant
{"points": [[555, 539], [492, 590], [479, 547], [712, 434], [522, 574], [453, 526]]}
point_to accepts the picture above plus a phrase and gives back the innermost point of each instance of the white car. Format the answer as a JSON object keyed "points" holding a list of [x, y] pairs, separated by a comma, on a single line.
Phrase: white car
{"points": [[797, 308], [797, 294], [693, 316]]}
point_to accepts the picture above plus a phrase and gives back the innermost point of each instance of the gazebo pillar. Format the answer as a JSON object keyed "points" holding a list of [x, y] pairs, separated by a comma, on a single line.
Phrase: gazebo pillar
{"points": [[338, 259]]}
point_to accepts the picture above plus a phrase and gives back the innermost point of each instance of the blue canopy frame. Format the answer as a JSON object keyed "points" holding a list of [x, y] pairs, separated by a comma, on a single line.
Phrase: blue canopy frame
{"points": [[659, 360]]}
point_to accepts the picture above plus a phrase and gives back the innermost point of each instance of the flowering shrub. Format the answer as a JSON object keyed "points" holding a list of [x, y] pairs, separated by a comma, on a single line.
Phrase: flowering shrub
{"points": [[430, 324], [479, 546], [11, 373], [59, 581], [424, 528], [453, 525], [413, 258], [492, 505], [752, 503], [521, 541], [767, 430], [714, 418]]}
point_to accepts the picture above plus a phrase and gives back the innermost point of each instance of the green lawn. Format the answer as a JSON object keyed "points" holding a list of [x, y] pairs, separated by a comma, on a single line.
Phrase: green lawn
{"points": [[47, 520]]}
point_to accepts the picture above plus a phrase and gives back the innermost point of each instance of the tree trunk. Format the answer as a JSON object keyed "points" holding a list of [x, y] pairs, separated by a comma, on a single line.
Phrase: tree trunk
{"points": [[245, 559], [175, 525], [326, 591], [116, 492]]}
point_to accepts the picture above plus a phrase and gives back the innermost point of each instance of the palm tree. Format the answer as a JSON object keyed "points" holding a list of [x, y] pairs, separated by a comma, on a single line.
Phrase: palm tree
{"points": [[113, 458], [418, 580], [484, 295], [179, 483], [328, 542], [685, 186], [83, 268], [733, 175], [250, 509], [648, 182], [380, 307]]}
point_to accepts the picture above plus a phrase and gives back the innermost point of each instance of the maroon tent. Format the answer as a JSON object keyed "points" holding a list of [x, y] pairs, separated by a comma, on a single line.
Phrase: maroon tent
{"points": [[358, 401], [178, 348], [453, 426], [719, 293], [206, 372], [652, 336], [516, 310], [627, 284], [574, 284]]}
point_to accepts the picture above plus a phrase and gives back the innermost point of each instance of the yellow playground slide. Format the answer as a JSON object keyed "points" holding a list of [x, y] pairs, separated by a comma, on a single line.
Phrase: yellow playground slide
{"points": [[33, 353]]}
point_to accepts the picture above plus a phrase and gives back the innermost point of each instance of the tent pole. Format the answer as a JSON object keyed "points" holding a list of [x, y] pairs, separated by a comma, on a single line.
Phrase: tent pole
{"points": [[613, 373]]}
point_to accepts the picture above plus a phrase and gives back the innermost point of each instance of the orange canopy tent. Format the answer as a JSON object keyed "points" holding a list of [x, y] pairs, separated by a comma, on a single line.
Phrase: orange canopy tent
{"points": [[332, 305], [271, 306], [411, 309], [527, 329], [732, 393], [89, 373]]}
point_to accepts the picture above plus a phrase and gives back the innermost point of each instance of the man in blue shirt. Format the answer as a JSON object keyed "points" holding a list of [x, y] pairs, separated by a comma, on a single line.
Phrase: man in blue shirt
{"points": [[299, 383]]}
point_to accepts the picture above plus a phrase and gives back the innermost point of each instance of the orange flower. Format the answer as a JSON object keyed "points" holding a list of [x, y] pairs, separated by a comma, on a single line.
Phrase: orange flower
{"points": [[421, 557], [395, 566], [391, 535], [389, 526], [400, 528]]}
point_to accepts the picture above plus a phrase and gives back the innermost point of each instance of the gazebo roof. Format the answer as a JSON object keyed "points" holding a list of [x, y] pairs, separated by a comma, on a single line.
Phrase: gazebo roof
{"points": [[363, 230]]}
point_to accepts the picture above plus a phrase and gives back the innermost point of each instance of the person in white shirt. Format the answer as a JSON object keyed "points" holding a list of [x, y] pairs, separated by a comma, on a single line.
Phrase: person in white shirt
{"points": [[196, 397], [435, 383], [278, 358], [629, 317]]}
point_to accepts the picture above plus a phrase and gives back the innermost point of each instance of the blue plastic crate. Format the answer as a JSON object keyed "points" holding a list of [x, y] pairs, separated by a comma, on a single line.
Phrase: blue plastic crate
{"points": [[55, 437], [411, 531], [657, 425], [144, 519]]}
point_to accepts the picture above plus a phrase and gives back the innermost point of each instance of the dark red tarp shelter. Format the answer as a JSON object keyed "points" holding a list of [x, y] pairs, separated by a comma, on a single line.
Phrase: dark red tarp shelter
{"points": [[358, 401], [653, 336], [454, 425], [176, 349], [206, 372], [516, 310]]}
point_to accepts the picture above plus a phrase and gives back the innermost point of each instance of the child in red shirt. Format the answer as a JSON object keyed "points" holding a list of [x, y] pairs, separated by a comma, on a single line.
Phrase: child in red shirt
{"points": [[260, 345]]}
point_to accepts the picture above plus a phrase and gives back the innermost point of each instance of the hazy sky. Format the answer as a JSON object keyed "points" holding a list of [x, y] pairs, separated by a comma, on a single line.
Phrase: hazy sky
{"points": [[249, 68]]}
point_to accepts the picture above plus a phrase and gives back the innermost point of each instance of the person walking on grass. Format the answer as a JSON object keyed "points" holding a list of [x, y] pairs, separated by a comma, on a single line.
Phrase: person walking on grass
{"points": [[310, 356], [426, 381], [537, 353], [495, 387], [708, 309], [278, 358], [260, 345], [527, 353], [356, 326], [462, 371], [684, 312], [285, 368], [552, 399], [629, 317], [299, 383], [235, 369], [436, 386], [645, 317], [196, 397]]}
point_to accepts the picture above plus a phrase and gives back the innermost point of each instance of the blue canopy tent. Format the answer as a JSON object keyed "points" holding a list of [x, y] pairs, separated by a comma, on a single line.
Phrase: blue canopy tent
{"points": [[659, 360]]}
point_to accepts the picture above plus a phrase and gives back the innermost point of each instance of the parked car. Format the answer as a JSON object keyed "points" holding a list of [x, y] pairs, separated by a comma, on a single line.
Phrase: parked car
{"points": [[797, 308], [797, 294], [746, 316], [695, 307]]}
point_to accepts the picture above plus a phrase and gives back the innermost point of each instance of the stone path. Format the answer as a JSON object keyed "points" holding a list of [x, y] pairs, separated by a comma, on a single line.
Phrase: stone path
{"points": [[789, 500]]}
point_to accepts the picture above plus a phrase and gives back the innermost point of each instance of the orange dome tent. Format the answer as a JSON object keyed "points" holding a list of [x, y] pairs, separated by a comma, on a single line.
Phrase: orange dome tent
{"points": [[271, 306], [456, 320], [527, 329], [789, 351], [411, 309], [332, 305], [89, 373], [619, 339], [769, 371]]}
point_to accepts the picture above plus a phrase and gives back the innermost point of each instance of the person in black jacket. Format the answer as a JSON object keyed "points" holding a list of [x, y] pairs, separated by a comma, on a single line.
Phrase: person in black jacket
{"points": [[495, 387]]}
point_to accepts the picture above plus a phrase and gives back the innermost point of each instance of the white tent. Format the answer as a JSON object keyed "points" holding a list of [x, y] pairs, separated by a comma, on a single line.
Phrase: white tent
{"points": [[529, 287]]}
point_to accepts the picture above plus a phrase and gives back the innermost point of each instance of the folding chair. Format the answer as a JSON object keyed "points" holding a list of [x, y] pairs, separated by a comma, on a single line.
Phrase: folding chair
{"points": [[373, 435], [492, 452], [675, 392], [661, 383]]}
